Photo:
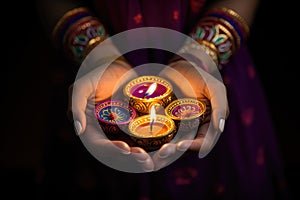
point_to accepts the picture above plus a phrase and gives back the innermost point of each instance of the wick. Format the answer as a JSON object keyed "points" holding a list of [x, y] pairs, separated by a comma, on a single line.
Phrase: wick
{"points": [[151, 125], [145, 95]]}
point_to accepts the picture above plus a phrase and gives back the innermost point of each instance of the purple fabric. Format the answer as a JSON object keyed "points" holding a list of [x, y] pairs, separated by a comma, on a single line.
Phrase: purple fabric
{"points": [[246, 162]]}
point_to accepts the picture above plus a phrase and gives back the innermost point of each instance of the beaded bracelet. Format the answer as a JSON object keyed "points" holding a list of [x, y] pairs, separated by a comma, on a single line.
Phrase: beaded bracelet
{"points": [[77, 33], [221, 30], [190, 52]]}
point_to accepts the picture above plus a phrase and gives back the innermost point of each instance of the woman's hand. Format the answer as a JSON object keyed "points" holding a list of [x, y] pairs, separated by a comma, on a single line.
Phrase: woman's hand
{"points": [[94, 87], [192, 81]]}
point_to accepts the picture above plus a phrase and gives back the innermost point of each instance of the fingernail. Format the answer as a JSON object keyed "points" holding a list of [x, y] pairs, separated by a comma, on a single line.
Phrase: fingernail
{"points": [[123, 149], [140, 157], [141, 161], [78, 127], [202, 154], [221, 125], [148, 170], [183, 146], [163, 154], [125, 152]]}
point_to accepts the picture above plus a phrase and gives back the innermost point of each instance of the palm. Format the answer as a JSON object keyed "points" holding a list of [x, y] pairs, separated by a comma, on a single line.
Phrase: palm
{"points": [[88, 91], [189, 81]]}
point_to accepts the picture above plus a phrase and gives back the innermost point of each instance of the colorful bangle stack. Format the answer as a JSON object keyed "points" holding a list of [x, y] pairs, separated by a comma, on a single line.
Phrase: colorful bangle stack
{"points": [[221, 31], [77, 33]]}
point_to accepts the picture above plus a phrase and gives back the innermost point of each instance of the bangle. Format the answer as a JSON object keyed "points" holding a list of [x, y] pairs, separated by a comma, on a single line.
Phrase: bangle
{"points": [[222, 30], [214, 34], [232, 17], [228, 29], [210, 49], [91, 44], [82, 37], [77, 33], [65, 21], [190, 52]]}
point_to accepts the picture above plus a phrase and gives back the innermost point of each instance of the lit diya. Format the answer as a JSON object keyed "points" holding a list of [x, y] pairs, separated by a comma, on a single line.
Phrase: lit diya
{"points": [[152, 131], [147, 91], [114, 116], [188, 113]]}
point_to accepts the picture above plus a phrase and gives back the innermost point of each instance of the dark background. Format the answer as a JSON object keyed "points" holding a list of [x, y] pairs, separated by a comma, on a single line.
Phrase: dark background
{"points": [[28, 80]]}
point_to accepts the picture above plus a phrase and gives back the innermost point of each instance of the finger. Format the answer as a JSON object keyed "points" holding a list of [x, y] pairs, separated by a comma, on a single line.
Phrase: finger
{"points": [[219, 105], [210, 139], [110, 153], [167, 150], [219, 113], [166, 155], [115, 153], [184, 145], [95, 134], [122, 147], [193, 144], [143, 158], [82, 90], [216, 93], [220, 110]]}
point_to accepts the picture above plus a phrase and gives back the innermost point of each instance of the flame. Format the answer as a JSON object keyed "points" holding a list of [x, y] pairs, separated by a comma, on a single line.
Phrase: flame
{"points": [[152, 117], [151, 89]]}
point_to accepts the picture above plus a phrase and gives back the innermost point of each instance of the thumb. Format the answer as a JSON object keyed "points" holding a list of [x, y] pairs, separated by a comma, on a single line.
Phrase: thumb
{"points": [[216, 92], [220, 111], [82, 90]]}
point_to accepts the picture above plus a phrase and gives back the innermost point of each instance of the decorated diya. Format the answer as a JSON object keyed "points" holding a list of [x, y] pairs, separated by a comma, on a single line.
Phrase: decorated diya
{"points": [[152, 131], [147, 91], [114, 116], [186, 112]]}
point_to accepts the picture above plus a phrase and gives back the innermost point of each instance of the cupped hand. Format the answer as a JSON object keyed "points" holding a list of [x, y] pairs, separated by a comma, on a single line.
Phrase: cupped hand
{"points": [[96, 86], [189, 80]]}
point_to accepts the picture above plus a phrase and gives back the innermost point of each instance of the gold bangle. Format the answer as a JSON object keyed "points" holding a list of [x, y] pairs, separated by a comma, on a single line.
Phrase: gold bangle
{"points": [[78, 26], [209, 44], [236, 38], [92, 44], [241, 20], [65, 17], [211, 50], [228, 34], [234, 15], [219, 27]]}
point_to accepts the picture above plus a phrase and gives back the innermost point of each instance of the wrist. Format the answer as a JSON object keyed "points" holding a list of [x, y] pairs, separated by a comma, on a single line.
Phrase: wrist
{"points": [[198, 55]]}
